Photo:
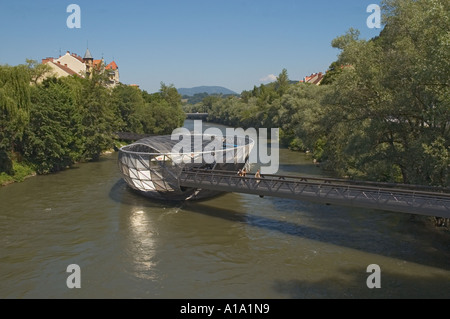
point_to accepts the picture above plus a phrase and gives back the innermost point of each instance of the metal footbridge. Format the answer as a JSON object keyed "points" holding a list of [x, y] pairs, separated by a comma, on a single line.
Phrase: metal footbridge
{"points": [[390, 197]]}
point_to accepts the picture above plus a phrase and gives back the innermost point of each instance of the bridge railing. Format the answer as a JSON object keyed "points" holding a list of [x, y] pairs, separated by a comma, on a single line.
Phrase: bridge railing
{"points": [[331, 191], [195, 116], [340, 181]]}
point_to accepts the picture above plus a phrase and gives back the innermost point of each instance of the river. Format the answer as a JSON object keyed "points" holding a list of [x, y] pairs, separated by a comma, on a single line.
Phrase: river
{"points": [[232, 246]]}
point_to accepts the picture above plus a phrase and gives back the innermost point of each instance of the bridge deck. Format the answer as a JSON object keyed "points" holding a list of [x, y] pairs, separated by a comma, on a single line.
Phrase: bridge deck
{"points": [[196, 116], [321, 190]]}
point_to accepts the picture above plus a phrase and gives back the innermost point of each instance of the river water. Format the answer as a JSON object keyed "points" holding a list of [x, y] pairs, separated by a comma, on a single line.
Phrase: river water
{"points": [[232, 246]]}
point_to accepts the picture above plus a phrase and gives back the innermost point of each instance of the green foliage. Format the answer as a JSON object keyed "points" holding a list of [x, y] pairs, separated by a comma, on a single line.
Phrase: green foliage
{"points": [[21, 172], [296, 144], [37, 70], [14, 108], [256, 108], [97, 118], [51, 138], [344, 41], [383, 110], [163, 112], [282, 83], [394, 100], [128, 104], [333, 72], [55, 123]]}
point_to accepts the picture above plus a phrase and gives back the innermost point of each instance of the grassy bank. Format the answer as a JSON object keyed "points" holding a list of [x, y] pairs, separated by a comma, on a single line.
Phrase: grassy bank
{"points": [[21, 172]]}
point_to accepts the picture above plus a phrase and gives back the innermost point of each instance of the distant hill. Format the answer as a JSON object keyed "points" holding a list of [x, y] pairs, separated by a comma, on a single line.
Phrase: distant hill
{"points": [[206, 89]]}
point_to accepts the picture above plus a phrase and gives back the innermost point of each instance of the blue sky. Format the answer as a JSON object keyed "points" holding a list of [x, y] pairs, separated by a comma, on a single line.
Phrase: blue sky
{"points": [[232, 43]]}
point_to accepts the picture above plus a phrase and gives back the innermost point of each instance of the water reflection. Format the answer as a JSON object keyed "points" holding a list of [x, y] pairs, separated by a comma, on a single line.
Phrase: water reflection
{"points": [[142, 243]]}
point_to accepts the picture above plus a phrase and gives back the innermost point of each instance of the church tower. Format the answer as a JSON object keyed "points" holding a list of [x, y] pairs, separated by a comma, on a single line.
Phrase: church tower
{"points": [[89, 61]]}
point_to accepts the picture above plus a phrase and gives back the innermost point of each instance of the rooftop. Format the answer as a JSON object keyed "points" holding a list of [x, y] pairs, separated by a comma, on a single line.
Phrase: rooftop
{"points": [[88, 54]]}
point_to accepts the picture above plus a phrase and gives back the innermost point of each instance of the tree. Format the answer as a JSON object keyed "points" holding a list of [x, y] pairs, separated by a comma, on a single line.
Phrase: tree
{"points": [[128, 104], [14, 111], [38, 71], [343, 41], [51, 140], [334, 70], [163, 112], [97, 116], [282, 83], [301, 115], [390, 108]]}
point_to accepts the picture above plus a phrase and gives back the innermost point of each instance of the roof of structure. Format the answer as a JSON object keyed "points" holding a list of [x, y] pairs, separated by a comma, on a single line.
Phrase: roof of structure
{"points": [[165, 145], [88, 54], [112, 66]]}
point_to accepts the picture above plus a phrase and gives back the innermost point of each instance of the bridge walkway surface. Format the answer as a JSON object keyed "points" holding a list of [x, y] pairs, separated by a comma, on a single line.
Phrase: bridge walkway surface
{"points": [[420, 200]]}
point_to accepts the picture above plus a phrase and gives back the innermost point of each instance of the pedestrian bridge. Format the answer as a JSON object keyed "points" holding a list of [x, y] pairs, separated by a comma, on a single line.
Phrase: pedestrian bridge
{"points": [[390, 197], [196, 116]]}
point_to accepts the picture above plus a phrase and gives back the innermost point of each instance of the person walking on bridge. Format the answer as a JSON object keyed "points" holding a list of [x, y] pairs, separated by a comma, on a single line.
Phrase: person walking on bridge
{"points": [[257, 176]]}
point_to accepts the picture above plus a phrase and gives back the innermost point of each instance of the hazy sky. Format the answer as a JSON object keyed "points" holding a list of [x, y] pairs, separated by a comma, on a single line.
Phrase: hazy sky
{"points": [[232, 43]]}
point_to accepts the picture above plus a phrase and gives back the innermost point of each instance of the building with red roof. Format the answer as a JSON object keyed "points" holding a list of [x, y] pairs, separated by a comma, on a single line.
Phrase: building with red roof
{"points": [[73, 64], [315, 78]]}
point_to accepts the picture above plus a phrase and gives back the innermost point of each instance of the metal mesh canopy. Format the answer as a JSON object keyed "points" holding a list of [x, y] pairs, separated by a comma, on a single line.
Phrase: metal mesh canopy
{"points": [[165, 145], [151, 165], [157, 144]]}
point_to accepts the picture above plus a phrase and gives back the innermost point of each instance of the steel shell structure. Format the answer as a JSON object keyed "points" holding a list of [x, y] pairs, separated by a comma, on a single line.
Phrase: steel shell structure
{"points": [[152, 167]]}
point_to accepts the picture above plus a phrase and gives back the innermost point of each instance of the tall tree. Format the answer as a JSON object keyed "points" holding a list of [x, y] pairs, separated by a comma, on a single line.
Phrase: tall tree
{"points": [[391, 107], [97, 116], [128, 103], [38, 71], [52, 139], [14, 111], [282, 83]]}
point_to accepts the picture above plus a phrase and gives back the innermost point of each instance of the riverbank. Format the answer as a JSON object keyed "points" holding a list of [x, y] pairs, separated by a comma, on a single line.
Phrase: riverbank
{"points": [[22, 172]]}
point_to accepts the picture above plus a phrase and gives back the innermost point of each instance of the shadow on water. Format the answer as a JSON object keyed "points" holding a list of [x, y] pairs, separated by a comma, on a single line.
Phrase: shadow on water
{"points": [[329, 227], [393, 285], [122, 193], [366, 241]]}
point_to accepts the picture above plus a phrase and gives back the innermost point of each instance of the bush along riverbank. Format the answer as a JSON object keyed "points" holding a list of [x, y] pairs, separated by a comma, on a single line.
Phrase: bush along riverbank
{"points": [[22, 171], [48, 125]]}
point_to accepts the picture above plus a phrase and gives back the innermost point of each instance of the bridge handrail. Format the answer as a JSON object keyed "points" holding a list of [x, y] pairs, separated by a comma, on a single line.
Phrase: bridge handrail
{"points": [[291, 179], [433, 189]]}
